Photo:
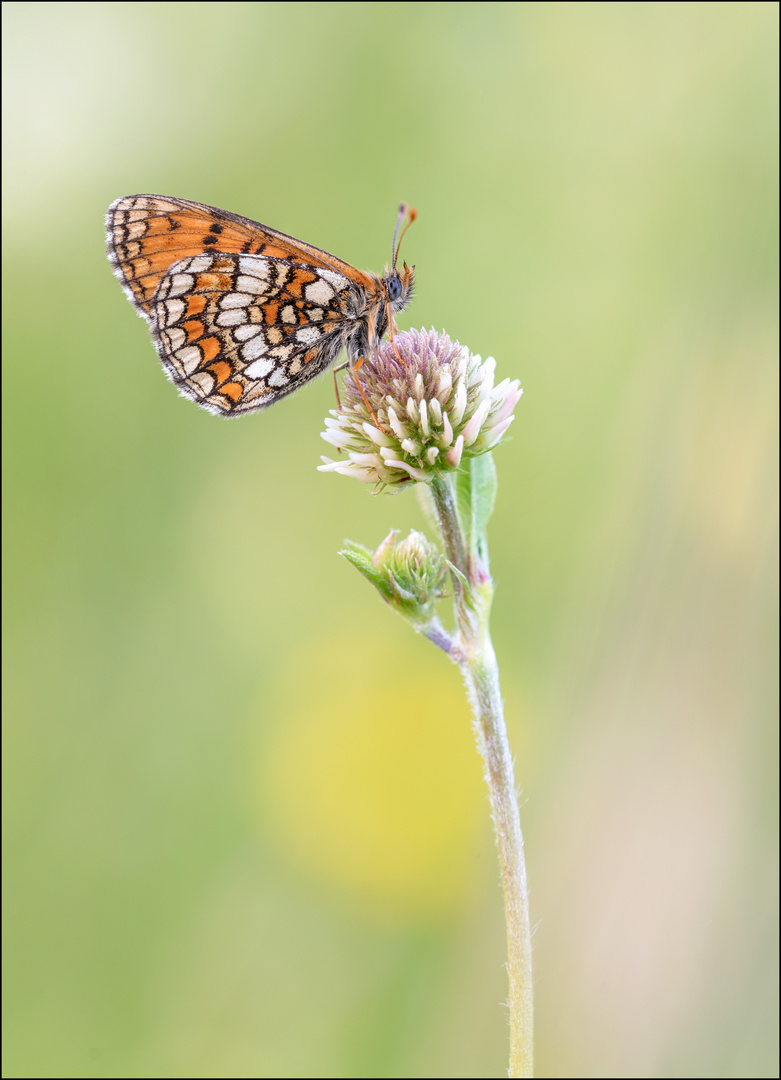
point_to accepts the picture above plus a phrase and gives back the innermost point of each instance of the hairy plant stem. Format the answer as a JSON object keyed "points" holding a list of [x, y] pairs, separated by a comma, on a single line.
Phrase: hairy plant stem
{"points": [[473, 651]]}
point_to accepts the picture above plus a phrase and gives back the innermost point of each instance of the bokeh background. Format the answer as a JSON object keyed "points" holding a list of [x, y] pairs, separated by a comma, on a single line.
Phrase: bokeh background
{"points": [[246, 833]]}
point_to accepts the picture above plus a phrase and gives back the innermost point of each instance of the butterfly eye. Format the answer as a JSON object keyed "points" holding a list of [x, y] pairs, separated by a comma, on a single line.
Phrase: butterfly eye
{"points": [[393, 285]]}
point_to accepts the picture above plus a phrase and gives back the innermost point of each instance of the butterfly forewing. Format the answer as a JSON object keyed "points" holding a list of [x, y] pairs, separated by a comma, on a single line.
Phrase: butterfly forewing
{"points": [[241, 314]]}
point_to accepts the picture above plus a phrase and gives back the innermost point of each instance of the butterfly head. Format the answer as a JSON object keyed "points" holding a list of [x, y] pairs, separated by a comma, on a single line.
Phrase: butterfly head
{"points": [[398, 286]]}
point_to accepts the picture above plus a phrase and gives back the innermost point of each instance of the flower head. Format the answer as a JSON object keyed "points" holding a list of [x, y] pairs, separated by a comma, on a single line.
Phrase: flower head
{"points": [[430, 404]]}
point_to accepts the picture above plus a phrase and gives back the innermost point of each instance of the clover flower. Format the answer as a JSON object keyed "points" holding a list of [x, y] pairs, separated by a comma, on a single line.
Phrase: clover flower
{"points": [[431, 403]]}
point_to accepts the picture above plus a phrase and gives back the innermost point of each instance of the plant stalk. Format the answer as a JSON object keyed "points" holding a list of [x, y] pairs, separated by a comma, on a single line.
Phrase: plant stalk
{"points": [[474, 653]]}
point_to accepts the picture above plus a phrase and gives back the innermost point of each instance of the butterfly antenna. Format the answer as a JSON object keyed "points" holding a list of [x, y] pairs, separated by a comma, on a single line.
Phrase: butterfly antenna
{"points": [[403, 209]]}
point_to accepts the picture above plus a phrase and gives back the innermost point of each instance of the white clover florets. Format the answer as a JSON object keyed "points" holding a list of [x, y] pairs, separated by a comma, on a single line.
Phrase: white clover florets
{"points": [[430, 404]]}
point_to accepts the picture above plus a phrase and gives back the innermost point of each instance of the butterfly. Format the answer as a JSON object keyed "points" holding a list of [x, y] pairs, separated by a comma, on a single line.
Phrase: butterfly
{"points": [[242, 314]]}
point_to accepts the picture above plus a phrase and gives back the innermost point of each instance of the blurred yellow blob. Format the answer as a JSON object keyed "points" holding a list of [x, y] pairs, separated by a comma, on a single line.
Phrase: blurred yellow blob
{"points": [[372, 780]]}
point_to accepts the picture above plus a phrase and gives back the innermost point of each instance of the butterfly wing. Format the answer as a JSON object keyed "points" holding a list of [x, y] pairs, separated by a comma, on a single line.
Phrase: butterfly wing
{"points": [[237, 332], [148, 234]]}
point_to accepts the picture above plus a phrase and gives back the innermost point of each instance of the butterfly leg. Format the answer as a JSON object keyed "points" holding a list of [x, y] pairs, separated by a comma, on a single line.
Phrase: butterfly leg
{"points": [[338, 368], [391, 331], [341, 367], [358, 363]]}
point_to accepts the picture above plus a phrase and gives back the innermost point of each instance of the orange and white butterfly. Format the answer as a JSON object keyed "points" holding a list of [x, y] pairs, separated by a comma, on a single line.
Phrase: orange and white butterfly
{"points": [[241, 314]]}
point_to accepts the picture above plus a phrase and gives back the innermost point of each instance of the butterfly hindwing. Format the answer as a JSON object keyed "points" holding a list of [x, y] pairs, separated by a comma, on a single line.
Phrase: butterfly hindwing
{"points": [[237, 332]]}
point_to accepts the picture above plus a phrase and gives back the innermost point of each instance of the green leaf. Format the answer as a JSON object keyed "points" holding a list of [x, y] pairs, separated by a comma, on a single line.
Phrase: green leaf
{"points": [[361, 557], [484, 486], [426, 503], [463, 486], [454, 570], [476, 494]]}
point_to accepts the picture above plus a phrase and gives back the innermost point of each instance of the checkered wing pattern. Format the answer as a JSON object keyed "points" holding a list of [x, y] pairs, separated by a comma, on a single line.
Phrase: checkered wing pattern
{"points": [[237, 332], [242, 314]]}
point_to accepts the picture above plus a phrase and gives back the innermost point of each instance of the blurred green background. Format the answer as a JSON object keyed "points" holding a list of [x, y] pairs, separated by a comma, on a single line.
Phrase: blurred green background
{"points": [[246, 833]]}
